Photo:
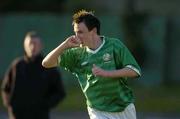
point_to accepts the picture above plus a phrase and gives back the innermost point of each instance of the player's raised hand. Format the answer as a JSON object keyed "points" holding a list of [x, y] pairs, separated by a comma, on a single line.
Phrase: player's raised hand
{"points": [[72, 41]]}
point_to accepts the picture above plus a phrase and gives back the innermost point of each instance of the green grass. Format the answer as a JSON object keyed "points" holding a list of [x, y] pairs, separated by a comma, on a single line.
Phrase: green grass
{"points": [[74, 100], [157, 99], [148, 99]]}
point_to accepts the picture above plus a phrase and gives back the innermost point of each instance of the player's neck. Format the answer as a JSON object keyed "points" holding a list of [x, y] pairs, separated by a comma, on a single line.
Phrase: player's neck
{"points": [[97, 41]]}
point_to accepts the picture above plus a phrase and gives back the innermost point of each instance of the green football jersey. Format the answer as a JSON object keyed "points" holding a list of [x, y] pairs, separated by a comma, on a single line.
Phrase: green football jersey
{"points": [[105, 94]]}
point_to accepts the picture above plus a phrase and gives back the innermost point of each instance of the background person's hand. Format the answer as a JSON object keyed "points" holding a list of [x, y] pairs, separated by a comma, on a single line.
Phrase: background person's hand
{"points": [[10, 113]]}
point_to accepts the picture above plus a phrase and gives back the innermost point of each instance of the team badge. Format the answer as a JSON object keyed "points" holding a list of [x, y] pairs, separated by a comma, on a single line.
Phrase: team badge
{"points": [[106, 57]]}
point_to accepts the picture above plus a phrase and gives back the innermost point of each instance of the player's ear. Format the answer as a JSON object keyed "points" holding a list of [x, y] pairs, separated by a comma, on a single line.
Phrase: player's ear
{"points": [[94, 30]]}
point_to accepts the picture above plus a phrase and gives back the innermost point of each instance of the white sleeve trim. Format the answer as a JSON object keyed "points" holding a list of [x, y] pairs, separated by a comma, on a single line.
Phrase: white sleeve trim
{"points": [[135, 69]]}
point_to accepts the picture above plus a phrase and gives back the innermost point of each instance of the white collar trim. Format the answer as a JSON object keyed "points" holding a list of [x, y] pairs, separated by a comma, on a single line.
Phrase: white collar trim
{"points": [[95, 51]]}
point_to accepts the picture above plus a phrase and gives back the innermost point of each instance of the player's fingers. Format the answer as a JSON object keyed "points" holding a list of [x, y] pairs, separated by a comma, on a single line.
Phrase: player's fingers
{"points": [[94, 66]]}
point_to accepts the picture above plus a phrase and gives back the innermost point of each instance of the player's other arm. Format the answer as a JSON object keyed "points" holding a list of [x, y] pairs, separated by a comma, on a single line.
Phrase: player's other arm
{"points": [[51, 60], [124, 72]]}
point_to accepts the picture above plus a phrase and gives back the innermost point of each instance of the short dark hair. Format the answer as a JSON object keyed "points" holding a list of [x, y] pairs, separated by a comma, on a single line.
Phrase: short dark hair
{"points": [[88, 18], [32, 34]]}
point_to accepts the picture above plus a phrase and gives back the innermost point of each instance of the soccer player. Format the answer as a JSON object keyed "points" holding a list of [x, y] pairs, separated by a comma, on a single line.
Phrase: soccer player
{"points": [[102, 65]]}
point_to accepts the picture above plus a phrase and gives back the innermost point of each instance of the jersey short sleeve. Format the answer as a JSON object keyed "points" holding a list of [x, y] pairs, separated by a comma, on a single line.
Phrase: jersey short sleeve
{"points": [[124, 58]]}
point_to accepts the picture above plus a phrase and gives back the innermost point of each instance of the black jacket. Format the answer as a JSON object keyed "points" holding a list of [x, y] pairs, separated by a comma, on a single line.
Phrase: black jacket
{"points": [[32, 86]]}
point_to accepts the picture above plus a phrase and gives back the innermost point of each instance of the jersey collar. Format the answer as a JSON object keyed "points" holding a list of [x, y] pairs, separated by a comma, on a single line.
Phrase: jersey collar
{"points": [[95, 51]]}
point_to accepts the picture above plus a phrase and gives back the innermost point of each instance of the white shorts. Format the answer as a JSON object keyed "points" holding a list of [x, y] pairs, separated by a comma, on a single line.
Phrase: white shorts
{"points": [[128, 113]]}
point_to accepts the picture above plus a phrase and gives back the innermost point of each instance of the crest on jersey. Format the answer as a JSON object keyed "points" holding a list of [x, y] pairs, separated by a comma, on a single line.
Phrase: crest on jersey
{"points": [[106, 57]]}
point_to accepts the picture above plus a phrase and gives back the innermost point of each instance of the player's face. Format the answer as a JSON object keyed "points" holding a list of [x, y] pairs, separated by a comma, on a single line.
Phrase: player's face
{"points": [[32, 46], [82, 32]]}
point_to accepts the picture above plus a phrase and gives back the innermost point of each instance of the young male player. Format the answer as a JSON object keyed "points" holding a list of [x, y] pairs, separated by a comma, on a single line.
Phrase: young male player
{"points": [[102, 64]]}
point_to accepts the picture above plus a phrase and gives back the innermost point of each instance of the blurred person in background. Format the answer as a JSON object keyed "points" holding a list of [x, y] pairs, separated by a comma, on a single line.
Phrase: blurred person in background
{"points": [[29, 90], [102, 64]]}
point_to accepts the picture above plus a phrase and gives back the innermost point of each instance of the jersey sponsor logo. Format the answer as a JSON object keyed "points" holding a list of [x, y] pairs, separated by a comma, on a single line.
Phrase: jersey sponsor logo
{"points": [[106, 57], [84, 63]]}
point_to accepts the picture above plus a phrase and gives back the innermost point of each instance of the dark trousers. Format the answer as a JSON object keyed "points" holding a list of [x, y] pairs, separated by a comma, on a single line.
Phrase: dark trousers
{"points": [[31, 113]]}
